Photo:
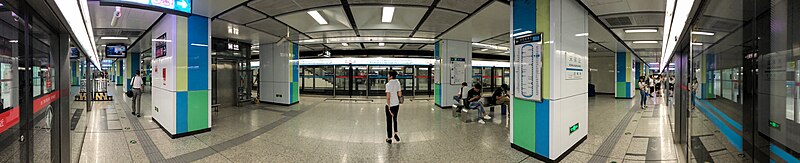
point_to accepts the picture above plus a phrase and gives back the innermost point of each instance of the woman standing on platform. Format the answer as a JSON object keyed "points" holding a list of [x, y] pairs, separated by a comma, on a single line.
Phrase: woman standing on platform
{"points": [[393, 95], [642, 92]]}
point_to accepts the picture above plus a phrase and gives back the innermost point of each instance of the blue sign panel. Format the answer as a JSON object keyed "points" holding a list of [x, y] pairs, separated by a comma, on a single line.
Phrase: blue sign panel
{"points": [[184, 6]]}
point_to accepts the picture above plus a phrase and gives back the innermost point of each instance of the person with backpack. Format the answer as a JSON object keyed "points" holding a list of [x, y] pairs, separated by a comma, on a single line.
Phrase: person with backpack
{"points": [[393, 99], [136, 88]]}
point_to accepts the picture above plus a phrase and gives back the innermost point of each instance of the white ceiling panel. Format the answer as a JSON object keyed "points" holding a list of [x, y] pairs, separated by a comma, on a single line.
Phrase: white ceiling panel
{"points": [[602, 7], [223, 29], [405, 18], [404, 2], [329, 34], [242, 15], [273, 27], [467, 6], [385, 46], [489, 22], [335, 16], [131, 18], [425, 34], [211, 8], [276, 7], [440, 20]]}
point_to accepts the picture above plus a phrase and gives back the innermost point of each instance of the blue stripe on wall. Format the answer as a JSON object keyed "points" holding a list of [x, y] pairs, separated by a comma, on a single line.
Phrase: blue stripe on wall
{"points": [[732, 136], [181, 112], [198, 55], [621, 61], [543, 128], [628, 89], [524, 23], [782, 154], [723, 115]]}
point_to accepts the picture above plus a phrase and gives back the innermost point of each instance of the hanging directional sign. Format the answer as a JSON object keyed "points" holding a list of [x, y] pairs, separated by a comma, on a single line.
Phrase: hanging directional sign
{"points": [[181, 6]]}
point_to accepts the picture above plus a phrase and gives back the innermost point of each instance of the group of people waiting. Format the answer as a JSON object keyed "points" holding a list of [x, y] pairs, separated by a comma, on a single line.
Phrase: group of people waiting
{"points": [[472, 99], [469, 97], [653, 85]]}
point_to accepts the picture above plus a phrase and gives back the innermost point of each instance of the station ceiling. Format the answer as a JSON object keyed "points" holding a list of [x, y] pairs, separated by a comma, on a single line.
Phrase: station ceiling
{"points": [[483, 22]]}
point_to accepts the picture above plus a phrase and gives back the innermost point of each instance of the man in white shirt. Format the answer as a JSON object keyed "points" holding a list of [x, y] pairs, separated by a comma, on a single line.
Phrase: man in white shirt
{"points": [[136, 88], [393, 94]]}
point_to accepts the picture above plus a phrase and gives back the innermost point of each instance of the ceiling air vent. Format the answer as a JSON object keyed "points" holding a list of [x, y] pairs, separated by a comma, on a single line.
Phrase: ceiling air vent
{"points": [[618, 21]]}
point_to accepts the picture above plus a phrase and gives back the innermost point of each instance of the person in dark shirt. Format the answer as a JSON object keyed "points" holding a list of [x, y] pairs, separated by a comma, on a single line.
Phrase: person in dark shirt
{"points": [[474, 96], [501, 95]]}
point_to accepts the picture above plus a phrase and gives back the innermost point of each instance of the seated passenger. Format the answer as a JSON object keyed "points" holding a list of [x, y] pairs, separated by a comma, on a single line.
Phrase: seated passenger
{"points": [[474, 98], [501, 95], [460, 98]]}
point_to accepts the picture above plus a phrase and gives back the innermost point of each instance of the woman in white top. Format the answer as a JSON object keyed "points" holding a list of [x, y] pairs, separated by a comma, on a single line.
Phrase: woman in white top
{"points": [[393, 94]]}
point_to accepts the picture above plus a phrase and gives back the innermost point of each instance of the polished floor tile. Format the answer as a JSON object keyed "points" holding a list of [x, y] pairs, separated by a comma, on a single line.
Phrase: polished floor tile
{"points": [[320, 130]]}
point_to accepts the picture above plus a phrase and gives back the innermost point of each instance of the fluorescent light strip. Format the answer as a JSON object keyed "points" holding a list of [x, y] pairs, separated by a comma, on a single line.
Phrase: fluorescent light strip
{"points": [[697, 44], [381, 44], [581, 34], [161, 40], [196, 44], [641, 30], [388, 13], [317, 17], [345, 44], [702, 33], [521, 33], [645, 42], [113, 38]]}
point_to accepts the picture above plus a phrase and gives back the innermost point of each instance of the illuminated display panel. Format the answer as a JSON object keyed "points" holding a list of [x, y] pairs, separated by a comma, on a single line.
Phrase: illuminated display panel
{"points": [[184, 6]]}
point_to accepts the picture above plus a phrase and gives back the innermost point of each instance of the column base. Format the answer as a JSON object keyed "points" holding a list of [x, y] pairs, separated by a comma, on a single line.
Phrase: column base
{"points": [[443, 107], [174, 136], [275, 103], [546, 159]]}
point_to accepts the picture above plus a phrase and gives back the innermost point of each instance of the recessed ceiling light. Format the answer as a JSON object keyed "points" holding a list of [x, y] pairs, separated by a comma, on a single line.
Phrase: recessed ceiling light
{"points": [[483, 50], [641, 30], [645, 42], [317, 17], [702, 33], [113, 38], [381, 44], [388, 13], [345, 44]]}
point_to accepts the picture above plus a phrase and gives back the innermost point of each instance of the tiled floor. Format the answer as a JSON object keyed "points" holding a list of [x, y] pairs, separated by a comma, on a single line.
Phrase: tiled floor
{"points": [[316, 130]]}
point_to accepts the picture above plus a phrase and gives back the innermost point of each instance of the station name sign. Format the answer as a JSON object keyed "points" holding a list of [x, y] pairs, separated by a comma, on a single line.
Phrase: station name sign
{"points": [[180, 7]]}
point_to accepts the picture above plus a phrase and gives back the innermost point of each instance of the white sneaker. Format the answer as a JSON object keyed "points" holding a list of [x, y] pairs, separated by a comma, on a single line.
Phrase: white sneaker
{"points": [[464, 110], [454, 106], [487, 117], [481, 121]]}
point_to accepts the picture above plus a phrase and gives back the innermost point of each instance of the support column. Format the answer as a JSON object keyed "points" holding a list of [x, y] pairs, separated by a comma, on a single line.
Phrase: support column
{"points": [[550, 81], [131, 64], [706, 76], [624, 72], [120, 72], [181, 101], [453, 66], [279, 73]]}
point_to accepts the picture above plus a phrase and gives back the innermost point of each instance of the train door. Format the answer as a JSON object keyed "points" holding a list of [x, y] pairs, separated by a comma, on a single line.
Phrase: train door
{"points": [[342, 80], [359, 79], [423, 80]]}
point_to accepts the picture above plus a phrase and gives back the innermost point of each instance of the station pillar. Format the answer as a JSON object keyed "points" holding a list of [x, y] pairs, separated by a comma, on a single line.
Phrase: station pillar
{"points": [[705, 77], [279, 73], [549, 58], [120, 72], [625, 79], [131, 65], [453, 66], [181, 100]]}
